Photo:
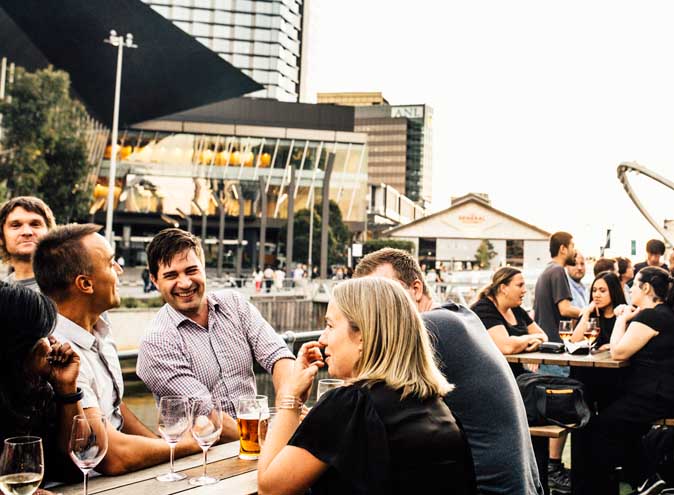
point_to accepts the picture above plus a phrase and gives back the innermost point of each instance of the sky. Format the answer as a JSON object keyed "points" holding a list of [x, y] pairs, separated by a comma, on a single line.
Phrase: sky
{"points": [[534, 102]]}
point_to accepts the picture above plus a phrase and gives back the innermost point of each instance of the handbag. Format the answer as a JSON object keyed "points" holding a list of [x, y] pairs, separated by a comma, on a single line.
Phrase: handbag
{"points": [[550, 399]]}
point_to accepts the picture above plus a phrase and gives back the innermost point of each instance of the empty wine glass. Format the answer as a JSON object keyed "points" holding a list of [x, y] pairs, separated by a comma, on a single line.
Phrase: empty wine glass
{"points": [[327, 384], [174, 421], [21, 465], [88, 443], [206, 428]]}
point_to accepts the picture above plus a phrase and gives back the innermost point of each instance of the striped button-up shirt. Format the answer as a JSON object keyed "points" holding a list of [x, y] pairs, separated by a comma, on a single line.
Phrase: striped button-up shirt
{"points": [[180, 357]]}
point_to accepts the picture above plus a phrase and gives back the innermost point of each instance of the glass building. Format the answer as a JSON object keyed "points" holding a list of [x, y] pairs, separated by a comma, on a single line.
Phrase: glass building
{"points": [[186, 165], [263, 38]]}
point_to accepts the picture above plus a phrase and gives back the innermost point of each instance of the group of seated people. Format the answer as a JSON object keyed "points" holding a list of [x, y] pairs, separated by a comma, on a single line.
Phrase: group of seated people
{"points": [[430, 400]]}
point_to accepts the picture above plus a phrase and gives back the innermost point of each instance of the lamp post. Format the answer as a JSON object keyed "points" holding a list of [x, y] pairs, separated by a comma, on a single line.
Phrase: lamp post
{"points": [[120, 42]]}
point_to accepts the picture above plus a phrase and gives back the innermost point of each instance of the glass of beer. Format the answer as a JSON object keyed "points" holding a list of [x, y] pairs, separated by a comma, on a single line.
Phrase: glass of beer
{"points": [[249, 409], [565, 329], [266, 419]]}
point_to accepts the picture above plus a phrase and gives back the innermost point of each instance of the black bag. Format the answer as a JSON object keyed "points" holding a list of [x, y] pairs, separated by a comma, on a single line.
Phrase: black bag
{"points": [[551, 399], [658, 450]]}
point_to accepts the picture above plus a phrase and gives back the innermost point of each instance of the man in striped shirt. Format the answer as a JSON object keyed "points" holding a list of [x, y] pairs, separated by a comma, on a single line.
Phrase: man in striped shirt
{"points": [[204, 344]]}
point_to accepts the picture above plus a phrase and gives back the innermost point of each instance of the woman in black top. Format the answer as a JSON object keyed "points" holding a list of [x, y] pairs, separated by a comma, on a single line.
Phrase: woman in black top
{"points": [[606, 294], [388, 430], [645, 335], [38, 375], [499, 306]]}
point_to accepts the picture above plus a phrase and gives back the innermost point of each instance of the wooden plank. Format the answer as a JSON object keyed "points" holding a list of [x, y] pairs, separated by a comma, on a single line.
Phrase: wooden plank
{"points": [[598, 360], [102, 483], [664, 422], [243, 484], [548, 431]]}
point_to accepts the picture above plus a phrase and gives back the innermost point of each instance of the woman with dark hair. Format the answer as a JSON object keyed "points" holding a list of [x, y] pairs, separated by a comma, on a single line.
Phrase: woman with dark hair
{"points": [[605, 295], [499, 306], [38, 391], [644, 334], [626, 273]]}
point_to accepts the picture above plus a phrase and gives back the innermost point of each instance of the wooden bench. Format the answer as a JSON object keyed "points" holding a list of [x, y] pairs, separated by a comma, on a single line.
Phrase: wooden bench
{"points": [[664, 422], [540, 440]]}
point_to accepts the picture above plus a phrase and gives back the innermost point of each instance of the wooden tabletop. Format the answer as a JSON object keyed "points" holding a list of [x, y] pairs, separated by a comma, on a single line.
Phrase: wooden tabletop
{"points": [[237, 477], [598, 360]]}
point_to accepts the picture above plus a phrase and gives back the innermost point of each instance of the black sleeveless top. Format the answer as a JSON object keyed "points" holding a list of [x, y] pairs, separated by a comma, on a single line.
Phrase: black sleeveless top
{"points": [[376, 443]]}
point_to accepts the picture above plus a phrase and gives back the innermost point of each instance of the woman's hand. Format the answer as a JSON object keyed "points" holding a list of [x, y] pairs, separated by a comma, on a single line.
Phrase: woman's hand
{"points": [[309, 361], [65, 366], [533, 345], [592, 309], [626, 312]]}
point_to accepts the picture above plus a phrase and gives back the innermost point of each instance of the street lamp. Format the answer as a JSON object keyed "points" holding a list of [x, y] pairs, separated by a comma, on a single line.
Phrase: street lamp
{"points": [[120, 42]]}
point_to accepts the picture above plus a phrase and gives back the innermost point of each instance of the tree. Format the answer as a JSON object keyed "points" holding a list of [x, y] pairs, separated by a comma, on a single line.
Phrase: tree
{"points": [[338, 236], [485, 252], [44, 135], [372, 245]]}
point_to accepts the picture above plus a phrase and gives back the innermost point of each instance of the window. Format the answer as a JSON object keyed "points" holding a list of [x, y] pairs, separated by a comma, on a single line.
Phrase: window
{"points": [[515, 253], [201, 15]]}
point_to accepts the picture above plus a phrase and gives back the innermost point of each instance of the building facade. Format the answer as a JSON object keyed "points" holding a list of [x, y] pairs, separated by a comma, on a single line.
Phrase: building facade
{"points": [[399, 139], [245, 156], [452, 236], [266, 39]]}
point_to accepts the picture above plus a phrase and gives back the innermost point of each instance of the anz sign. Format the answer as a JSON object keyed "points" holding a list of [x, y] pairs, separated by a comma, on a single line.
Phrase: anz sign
{"points": [[415, 112]]}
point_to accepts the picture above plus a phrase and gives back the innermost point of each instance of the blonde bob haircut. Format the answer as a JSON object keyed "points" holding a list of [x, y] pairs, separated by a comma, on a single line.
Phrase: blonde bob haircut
{"points": [[396, 348]]}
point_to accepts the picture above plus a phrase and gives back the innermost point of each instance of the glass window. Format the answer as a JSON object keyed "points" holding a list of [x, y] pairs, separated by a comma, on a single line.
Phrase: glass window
{"points": [[185, 26], [243, 19], [515, 252], [201, 15], [187, 3], [241, 46], [261, 63], [205, 4], [162, 10], [180, 13], [204, 41], [261, 48], [244, 6], [241, 60], [264, 7], [263, 35], [221, 45], [199, 29], [261, 76], [263, 21], [222, 31], [243, 33], [222, 17]]}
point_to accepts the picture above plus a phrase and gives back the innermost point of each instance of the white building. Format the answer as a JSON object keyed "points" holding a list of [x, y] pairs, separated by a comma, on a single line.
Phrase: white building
{"points": [[452, 236]]}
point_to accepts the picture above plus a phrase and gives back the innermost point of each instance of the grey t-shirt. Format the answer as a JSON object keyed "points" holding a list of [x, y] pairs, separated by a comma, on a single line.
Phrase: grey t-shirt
{"points": [[551, 288], [486, 401], [29, 283]]}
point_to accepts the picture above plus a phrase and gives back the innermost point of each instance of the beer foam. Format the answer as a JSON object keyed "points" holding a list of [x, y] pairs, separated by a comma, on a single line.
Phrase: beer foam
{"points": [[249, 416]]}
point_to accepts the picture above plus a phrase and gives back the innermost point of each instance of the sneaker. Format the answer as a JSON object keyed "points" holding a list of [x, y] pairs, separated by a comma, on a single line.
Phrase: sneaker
{"points": [[652, 486], [558, 479]]}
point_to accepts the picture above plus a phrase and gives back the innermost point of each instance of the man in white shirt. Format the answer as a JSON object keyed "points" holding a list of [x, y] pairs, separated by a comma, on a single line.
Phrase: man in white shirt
{"points": [[75, 266]]}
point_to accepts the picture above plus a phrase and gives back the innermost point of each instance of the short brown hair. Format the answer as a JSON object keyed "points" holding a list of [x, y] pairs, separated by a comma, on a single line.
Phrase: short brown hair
{"points": [[60, 257], [604, 265], [557, 240], [655, 246], [407, 268], [166, 244], [28, 203]]}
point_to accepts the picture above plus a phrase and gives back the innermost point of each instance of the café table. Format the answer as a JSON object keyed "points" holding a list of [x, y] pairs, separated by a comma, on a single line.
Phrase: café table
{"points": [[597, 360], [237, 477]]}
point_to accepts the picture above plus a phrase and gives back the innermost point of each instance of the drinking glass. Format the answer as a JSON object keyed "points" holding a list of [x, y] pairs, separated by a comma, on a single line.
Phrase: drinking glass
{"points": [[206, 428], [266, 420], [249, 409], [565, 329], [591, 332], [174, 420], [88, 443], [21, 465], [327, 384]]}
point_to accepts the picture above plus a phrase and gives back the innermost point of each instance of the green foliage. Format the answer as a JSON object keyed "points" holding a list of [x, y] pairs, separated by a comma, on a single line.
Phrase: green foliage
{"points": [[43, 128], [338, 236], [145, 302], [373, 245], [485, 252]]}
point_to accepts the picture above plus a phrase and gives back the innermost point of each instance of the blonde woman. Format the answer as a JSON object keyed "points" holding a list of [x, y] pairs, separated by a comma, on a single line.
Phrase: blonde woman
{"points": [[388, 430]]}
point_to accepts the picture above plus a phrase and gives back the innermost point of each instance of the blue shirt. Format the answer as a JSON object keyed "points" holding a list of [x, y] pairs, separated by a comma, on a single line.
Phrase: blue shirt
{"points": [[578, 295]]}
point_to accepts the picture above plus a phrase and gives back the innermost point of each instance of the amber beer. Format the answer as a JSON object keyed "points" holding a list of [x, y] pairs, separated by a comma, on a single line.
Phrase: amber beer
{"points": [[249, 445]]}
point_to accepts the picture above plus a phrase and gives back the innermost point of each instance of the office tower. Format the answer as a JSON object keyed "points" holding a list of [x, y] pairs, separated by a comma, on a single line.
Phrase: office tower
{"points": [[263, 38]]}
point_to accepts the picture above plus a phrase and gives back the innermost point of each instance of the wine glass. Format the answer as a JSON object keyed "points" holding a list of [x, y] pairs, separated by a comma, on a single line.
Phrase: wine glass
{"points": [[565, 330], [327, 384], [21, 465], [206, 427], [266, 419], [174, 420], [249, 410], [88, 442], [591, 332]]}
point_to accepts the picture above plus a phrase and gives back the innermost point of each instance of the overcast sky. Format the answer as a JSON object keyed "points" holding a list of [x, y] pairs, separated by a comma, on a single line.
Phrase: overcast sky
{"points": [[535, 102]]}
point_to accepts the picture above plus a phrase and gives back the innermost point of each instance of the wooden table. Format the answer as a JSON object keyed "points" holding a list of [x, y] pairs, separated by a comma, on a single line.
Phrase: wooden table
{"points": [[238, 477], [598, 360]]}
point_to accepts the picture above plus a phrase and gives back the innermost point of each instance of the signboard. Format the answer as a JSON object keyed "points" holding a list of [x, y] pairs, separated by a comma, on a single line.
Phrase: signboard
{"points": [[413, 112], [357, 250]]}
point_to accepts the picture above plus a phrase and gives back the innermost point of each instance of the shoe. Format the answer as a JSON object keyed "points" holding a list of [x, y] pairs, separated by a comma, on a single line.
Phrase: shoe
{"points": [[558, 479], [652, 486]]}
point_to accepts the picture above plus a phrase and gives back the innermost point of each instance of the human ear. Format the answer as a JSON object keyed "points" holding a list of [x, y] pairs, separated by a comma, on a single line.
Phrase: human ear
{"points": [[84, 284]]}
